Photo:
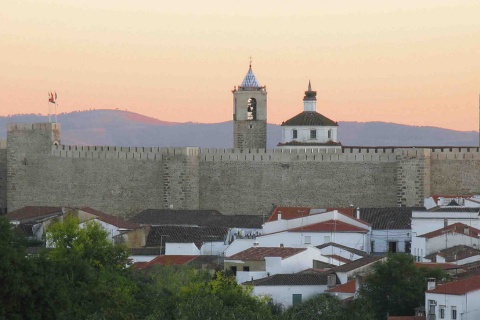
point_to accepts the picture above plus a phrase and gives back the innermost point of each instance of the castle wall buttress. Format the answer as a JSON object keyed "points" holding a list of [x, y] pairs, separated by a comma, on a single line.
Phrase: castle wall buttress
{"points": [[413, 176], [3, 177], [181, 179]]}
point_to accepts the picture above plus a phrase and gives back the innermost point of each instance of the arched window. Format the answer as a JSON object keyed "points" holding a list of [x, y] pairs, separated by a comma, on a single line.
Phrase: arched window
{"points": [[252, 109]]}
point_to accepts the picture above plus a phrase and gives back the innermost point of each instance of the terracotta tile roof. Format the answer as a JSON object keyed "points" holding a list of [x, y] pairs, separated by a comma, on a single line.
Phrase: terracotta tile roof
{"points": [[309, 118], [329, 226], [159, 235], [32, 212], [454, 209], [345, 248], [348, 287], [458, 287], [296, 279], [173, 260], [337, 257], [110, 219], [315, 270], [435, 265], [289, 213], [458, 227], [202, 218], [350, 266], [455, 253], [392, 218], [259, 253]]}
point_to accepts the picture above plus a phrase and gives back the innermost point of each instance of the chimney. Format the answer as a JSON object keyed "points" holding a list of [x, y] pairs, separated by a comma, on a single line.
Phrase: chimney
{"points": [[358, 213], [279, 215], [431, 284], [331, 280], [255, 244], [358, 283], [281, 245]]}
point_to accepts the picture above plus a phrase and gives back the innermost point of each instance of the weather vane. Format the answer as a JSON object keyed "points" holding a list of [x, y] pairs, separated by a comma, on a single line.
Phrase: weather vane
{"points": [[250, 61]]}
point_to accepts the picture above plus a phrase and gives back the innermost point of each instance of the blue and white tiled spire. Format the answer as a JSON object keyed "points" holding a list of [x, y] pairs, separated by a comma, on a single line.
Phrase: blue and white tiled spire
{"points": [[250, 81]]}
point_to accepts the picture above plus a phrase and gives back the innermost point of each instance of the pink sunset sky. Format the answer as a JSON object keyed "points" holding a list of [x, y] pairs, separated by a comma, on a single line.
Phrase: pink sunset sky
{"points": [[409, 62]]}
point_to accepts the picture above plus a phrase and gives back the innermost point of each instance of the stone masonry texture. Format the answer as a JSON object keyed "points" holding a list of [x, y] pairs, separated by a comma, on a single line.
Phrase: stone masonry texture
{"points": [[36, 169]]}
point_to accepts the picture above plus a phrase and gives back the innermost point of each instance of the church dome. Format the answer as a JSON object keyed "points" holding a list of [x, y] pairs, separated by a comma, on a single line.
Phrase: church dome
{"points": [[309, 118]]}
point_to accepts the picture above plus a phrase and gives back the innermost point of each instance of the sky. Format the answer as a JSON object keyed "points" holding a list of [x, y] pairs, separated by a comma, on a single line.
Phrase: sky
{"points": [[408, 62]]}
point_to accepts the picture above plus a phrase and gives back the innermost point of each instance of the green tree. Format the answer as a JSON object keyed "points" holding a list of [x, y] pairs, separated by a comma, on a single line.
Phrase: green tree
{"points": [[397, 286], [90, 272], [327, 307]]}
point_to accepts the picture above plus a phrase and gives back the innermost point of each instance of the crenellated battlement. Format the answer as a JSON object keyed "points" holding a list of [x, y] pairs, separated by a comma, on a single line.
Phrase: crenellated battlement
{"points": [[113, 152], [33, 126]]}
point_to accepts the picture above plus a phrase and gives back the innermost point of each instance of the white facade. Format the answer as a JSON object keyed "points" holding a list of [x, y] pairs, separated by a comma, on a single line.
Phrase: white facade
{"points": [[465, 306], [276, 232], [303, 134], [276, 265], [190, 249], [284, 294], [380, 240], [427, 221], [237, 246]]}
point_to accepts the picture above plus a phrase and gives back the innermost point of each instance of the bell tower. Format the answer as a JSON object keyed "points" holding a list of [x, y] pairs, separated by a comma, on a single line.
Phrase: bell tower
{"points": [[250, 113]]}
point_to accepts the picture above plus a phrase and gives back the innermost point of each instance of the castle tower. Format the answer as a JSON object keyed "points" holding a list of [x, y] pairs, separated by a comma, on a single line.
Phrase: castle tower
{"points": [[250, 113]]}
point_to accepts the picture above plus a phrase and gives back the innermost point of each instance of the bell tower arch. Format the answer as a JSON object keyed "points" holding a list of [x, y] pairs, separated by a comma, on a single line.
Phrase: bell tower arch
{"points": [[250, 113]]}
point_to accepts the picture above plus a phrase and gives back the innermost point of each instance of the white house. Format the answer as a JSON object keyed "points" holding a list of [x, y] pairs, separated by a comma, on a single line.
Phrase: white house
{"points": [[290, 289], [458, 255], [260, 262], [315, 229], [456, 234], [424, 222], [454, 300]]}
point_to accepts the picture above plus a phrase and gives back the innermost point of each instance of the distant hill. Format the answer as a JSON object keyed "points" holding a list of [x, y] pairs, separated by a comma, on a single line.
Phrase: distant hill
{"points": [[123, 128]]}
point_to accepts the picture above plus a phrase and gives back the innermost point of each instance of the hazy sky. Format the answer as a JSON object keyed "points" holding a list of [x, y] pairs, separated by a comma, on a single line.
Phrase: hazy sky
{"points": [[411, 62]]}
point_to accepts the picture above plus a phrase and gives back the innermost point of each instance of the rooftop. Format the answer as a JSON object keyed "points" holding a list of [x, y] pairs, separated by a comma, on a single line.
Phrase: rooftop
{"points": [[348, 287], [159, 235], [260, 253], [204, 218], [329, 226], [250, 80], [458, 287], [309, 118], [33, 212], [459, 228], [110, 219], [393, 218], [455, 253], [345, 248], [362, 262]]}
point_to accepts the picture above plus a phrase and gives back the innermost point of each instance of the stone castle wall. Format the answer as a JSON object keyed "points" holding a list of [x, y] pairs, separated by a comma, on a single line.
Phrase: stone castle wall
{"points": [[3, 176], [124, 180]]}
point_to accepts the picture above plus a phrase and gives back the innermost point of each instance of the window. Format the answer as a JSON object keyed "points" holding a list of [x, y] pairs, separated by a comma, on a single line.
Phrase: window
{"points": [[313, 134], [392, 246], [330, 134], [431, 307], [246, 268], [294, 134], [296, 299], [308, 239], [442, 312], [252, 109], [454, 313], [408, 246]]}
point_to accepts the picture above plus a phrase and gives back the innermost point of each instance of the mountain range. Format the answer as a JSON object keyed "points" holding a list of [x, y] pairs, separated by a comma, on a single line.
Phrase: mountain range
{"points": [[124, 128]]}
